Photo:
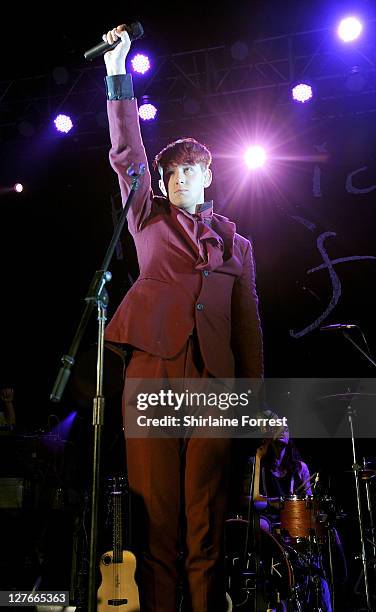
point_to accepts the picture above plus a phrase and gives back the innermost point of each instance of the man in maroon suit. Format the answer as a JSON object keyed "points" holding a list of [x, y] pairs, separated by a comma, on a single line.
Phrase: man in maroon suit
{"points": [[192, 313]]}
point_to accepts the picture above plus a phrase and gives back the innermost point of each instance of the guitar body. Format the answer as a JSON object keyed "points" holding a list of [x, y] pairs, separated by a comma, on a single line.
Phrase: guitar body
{"points": [[118, 589]]}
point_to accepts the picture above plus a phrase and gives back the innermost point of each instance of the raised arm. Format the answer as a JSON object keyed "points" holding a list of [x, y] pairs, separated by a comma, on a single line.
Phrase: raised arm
{"points": [[126, 143], [305, 477], [260, 501]]}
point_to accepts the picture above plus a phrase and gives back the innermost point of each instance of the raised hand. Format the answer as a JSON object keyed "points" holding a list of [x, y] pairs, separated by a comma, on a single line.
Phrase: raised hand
{"points": [[115, 59]]}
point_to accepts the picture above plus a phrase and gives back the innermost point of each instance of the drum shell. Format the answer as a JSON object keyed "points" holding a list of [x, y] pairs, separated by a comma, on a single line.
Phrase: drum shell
{"points": [[305, 517], [275, 571], [297, 517]]}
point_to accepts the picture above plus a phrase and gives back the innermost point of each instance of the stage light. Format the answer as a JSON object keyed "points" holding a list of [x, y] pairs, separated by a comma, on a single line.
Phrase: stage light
{"points": [[60, 75], [239, 50], [26, 129], [191, 106], [147, 112], [140, 63], [63, 123], [255, 157], [60, 431], [18, 187], [349, 29], [302, 92]]}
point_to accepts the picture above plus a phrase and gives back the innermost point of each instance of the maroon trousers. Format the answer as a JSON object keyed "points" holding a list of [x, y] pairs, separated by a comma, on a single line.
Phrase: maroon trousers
{"points": [[181, 486]]}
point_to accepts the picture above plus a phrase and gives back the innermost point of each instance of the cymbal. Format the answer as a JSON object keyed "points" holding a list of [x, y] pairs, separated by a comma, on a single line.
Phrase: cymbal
{"points": [[367, 461], [364, 473], [348, 396]]}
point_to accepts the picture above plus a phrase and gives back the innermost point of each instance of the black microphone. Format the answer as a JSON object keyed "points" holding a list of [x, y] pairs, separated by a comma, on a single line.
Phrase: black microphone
{"points": [[336, 326], [135, 30]]}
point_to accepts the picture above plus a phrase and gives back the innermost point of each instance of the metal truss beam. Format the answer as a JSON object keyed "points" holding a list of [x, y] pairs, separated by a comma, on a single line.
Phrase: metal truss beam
{"points": [[205, 83]]}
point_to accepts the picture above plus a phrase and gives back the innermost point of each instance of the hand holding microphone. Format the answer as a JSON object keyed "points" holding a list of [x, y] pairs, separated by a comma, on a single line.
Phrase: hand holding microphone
{"points": [[122, 34], [115, 57]]}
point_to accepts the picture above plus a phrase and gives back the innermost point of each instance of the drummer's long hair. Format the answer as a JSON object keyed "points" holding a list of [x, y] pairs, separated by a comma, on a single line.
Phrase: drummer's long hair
{"points": [[291, 461]]}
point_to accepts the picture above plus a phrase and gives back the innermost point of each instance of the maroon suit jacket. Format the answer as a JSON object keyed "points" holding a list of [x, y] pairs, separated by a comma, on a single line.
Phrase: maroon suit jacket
{"points": [[195, 271]]}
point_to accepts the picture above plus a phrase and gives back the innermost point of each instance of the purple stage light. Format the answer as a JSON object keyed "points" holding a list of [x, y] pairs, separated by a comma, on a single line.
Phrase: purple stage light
{"points": [[349, 29], [60, 431], [255, 157], [147, 112], [302, 92], [140, 63], [18, 187], [63, 123]]}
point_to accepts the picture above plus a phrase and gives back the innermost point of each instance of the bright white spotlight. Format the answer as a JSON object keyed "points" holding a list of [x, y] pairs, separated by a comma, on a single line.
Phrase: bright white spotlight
{"points": [[255, 157], [302, 92], [349, 29], [140, 63], [63, 123], [147, 112], [18, 187]]}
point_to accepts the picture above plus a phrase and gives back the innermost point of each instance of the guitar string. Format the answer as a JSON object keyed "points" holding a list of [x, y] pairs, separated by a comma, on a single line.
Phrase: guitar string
{"points": [[115, 544]]}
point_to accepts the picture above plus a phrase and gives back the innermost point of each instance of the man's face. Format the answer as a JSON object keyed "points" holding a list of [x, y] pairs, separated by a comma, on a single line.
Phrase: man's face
{"points": [[184, 184]]}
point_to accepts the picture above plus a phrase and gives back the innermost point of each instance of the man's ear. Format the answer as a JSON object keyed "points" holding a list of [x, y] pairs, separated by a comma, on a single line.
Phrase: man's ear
{"points": [[208, 177], [162, 187]]}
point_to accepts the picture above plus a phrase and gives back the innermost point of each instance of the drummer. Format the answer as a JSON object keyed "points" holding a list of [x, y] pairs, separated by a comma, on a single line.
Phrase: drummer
{"points": [[279, 472]]}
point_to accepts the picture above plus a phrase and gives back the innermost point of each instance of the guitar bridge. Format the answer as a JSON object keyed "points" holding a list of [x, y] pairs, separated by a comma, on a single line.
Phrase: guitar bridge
{"points": [[117, 602]]}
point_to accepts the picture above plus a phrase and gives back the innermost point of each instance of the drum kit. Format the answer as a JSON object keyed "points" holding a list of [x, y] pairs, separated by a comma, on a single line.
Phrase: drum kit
{"points": [[287, 568], [297, 564]]}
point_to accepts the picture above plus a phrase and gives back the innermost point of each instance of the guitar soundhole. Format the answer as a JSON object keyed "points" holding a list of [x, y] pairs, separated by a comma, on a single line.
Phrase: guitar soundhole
{"points": [[106, 560]]}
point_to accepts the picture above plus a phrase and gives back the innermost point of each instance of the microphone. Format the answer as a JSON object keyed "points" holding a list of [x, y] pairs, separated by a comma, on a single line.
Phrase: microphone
{"points": [[135, 30], [336, 326]]}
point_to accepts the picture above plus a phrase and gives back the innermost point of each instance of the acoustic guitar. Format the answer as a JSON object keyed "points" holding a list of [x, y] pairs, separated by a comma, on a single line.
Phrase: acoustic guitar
{"points": [[118, 587]]}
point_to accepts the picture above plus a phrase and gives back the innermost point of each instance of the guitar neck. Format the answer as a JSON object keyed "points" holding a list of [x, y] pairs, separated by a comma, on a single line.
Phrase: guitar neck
{"points": [[117, 531]]}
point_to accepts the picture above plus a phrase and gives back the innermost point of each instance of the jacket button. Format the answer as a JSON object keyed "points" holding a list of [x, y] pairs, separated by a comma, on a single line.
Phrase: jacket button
{"points": [[206, 272], [200, 306]]}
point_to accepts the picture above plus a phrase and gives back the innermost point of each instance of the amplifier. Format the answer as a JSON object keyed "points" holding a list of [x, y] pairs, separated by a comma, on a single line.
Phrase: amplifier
{"points": [[11, 492]]}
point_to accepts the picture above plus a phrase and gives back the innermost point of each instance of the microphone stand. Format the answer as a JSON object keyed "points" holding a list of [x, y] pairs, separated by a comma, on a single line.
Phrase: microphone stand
{"points": [[348, 337], [97, 295]]}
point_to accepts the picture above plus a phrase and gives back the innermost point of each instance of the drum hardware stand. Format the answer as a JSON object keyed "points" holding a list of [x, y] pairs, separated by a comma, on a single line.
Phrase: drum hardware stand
{"points": [[315, 565], [245, 562], [356, 468], [321, 566], [330, 554], [317, 585], [294, 599], [96, 296], [371, 540]]}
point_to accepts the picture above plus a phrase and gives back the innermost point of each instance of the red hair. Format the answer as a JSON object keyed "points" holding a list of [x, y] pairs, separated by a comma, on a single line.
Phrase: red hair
{"points": [[183, 151]]}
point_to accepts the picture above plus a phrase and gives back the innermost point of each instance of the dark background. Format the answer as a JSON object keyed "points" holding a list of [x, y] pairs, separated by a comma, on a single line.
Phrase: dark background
{"points": [[54, 235]]}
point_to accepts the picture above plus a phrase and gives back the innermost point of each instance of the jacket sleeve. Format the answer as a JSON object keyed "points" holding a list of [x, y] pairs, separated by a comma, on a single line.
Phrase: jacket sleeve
{"points": [[246, 334], [127, 148]]}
